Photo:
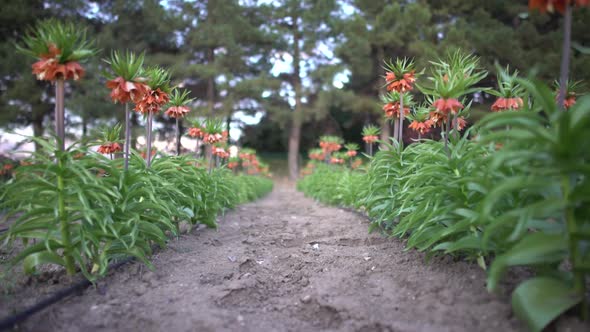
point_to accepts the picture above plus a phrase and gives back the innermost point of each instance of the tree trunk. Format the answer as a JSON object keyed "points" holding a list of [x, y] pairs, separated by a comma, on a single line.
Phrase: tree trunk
{"points": [[297, 116]]}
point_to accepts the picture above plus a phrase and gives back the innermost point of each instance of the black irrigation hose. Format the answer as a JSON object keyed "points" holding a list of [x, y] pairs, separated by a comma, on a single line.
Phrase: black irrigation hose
{"points": [[12, 321]]}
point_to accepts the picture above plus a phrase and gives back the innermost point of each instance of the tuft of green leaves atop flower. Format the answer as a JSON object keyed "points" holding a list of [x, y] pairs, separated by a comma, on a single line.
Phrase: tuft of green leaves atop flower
{"points": [[331, 139], [508, 86], [420, 112], [127, 65], [454, 76], [212, 126], [573, 88], [371, 130], [52, 38], [179, 97], [351, 146], [400, 66], [394, 97], [158, 78], [111, 134]]}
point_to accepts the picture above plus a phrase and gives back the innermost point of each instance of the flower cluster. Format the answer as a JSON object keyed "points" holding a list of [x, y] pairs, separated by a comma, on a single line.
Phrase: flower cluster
{"points": [[152, 101], [422, 127], [48, 68], [123, 91], [317, 154], [220, 152], [505, 104], [400, 76], [109, 148], [392, 110], [559, 5]]}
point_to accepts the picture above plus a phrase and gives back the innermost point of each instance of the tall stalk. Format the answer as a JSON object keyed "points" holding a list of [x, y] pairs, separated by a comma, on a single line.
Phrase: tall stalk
{"points": [[565, 56], [396, 129], [197, 149], [401, 119], [447, 132], [149, 140], [60, 113], [127, 147], [64, 226], [177, 138]]}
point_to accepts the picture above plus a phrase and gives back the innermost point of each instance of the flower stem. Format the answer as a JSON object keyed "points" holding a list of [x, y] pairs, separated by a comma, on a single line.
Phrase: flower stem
{"points": [[127, 136], [60, 113], [401, 120], [565, 56], [177, 138], [64, 226], [447, 131], [210, 160], [396, 129], [148, 156]]}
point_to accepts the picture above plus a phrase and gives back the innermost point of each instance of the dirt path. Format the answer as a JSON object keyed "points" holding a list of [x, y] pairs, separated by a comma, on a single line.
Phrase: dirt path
{"points": [[286, 263]]}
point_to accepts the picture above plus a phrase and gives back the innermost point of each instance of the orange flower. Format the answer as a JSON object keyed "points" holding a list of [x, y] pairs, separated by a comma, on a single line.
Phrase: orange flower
{"points": [[196, 132], [79, 155], [461, 123], [212, 138], [152, 101], [357, 163], [569, 101], [400, 85], [503, 104], [392, 110], [124, 91], [177, 111], [220, 152], [335, 160], [436, 118], [445, 106], [49, 69], [421, 127], [559, 5], [143, 153], [232, 165], [109, 148], [370, 139], [351, 153]]}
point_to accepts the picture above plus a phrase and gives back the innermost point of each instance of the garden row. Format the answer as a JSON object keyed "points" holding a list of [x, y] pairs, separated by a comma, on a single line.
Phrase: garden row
{"points": [[513, 190], [77, 208], [108, 213]]}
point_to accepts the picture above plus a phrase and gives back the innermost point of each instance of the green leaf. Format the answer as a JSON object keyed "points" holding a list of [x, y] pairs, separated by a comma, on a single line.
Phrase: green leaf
{"points": [[535, 248], [43, 257], [540, 300]]}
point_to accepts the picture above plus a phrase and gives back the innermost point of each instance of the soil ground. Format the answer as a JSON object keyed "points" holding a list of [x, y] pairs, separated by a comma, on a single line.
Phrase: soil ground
{"points": [[285, 263]]}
